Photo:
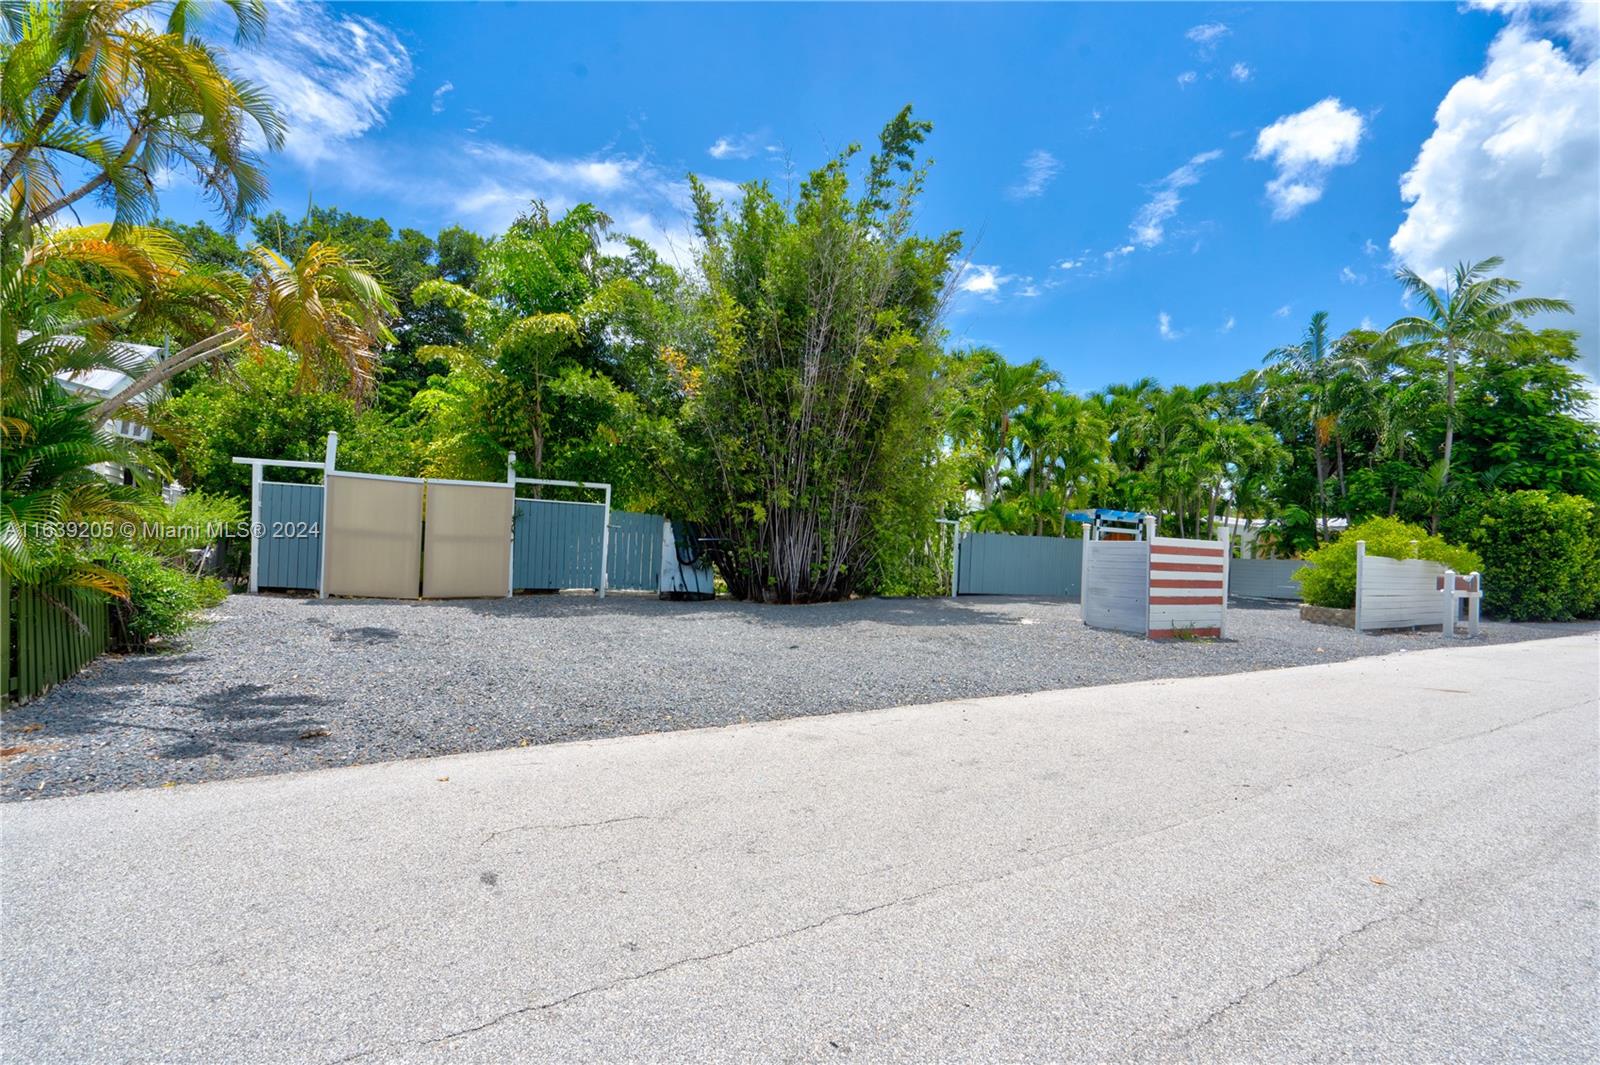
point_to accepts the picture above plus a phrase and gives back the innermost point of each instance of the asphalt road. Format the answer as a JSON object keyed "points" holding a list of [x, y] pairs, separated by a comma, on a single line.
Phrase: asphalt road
{"points": [[1383, 859]]}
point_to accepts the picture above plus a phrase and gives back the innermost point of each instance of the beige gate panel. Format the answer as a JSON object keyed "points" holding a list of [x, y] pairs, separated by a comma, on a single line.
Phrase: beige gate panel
{"points": [[373, 536], [466, 552]]}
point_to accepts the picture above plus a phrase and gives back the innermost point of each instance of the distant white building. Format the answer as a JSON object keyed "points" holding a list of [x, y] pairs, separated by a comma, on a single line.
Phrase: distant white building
{"points": [[1243, 531], [103, 384]]}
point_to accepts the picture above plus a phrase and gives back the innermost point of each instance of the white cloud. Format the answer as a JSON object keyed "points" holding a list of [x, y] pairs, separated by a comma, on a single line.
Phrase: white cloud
{"points": [[1240, 72], [1186, 79], [1577, 23], [1281, 312], [1164, 327], [1117, 253], [1149, 224], [1070, 264], [721, 188], [1367, 324], [1304, 147], [982, 280], [1370, 248], [1348, 276], [1038, 170], [439, 95], [484, 185], [1510, 170], [1206, 36], [1227, 327], [742, 146], [332, 74]]}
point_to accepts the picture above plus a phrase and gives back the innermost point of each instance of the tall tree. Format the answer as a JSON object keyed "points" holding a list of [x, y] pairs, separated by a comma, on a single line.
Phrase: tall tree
{"points": [[1466, 317], [818, 388], [1310, 365], [124, 90]]}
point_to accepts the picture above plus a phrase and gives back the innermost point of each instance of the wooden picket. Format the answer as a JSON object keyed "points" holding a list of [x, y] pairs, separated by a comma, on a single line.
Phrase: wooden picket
{"points": [[45, 643]]}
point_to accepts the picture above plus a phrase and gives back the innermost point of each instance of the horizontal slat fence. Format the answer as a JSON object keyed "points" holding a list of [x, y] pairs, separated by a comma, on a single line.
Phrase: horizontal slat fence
{"points": [[45, 644], [1395, 593], [1116, 588]]}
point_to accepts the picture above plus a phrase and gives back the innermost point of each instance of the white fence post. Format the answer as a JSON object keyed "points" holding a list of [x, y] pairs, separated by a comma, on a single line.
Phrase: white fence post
{"points": [[255, 526], [955, 559], [605, 545], [1227, 572], [1083, 572], [1361, 558], [329, 460], [511, 563]]}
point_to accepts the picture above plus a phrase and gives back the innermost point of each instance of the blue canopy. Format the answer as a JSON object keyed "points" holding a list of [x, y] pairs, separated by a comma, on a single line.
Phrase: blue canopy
{"points": [[1132, 517]]}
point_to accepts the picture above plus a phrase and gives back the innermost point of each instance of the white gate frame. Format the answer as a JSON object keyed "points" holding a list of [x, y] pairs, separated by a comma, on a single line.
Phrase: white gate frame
{"points": [[329, 465], [605, 528], [256, 466]]}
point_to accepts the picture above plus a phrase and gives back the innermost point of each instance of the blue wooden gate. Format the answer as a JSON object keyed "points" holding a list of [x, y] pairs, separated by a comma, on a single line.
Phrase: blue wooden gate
{"points": [[556, 545], [1005, 564], [290, 545], [634, 559]]}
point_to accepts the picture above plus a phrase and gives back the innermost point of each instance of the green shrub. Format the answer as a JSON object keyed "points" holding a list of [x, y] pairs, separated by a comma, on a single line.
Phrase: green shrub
{"points": [[195, 520], [1541, 555], [162, 601], [1330, 579]]}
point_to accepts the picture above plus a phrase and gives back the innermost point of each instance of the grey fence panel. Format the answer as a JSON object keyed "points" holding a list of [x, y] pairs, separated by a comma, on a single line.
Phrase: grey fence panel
{"points": [[1264, 578], [291, 552], [1003, 564], [557, 545], [634, 559]]}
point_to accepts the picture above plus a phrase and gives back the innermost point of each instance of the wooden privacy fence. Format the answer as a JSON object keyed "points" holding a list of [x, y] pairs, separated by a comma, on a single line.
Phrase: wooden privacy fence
{"points": [[1162, 587], [1008, 564], [371, 535], [1404, 593], [50, 634]]}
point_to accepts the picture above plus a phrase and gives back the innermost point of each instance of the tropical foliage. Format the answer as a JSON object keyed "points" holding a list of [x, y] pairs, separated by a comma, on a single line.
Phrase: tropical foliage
{"points": [[792, 390], [1543, 550], [1329, 578]]}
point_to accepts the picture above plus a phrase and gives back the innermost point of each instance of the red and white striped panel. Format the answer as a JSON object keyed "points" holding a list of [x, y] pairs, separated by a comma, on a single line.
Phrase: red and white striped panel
{"points": [[1188, 590]]}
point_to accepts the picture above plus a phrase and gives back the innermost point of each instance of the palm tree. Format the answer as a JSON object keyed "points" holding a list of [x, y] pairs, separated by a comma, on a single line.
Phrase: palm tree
{"points": [[1079, 442], [47, 446], [325, 307], [116, 94], [1310, 368], [1465, 318], [1001, 389]]}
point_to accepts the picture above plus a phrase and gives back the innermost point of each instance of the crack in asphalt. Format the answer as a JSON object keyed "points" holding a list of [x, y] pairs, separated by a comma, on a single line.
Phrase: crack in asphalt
{"points": [[1044, 857], [562, 827], [1323, 955], [679, 963]]}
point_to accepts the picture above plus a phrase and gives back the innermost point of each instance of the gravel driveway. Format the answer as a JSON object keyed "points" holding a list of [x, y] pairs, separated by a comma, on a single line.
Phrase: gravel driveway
{"points": [[272, 684]]}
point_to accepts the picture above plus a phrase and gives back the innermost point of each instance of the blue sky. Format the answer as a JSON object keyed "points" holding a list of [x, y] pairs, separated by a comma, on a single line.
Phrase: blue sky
{"points": [[1162, 189]]}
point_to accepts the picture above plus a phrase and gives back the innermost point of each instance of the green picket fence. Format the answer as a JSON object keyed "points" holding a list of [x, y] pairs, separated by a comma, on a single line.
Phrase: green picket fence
{"points": [[45, 644]]}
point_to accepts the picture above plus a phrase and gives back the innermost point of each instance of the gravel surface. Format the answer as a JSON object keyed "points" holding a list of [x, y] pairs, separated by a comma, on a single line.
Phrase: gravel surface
{"points": [[272, 684]]}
